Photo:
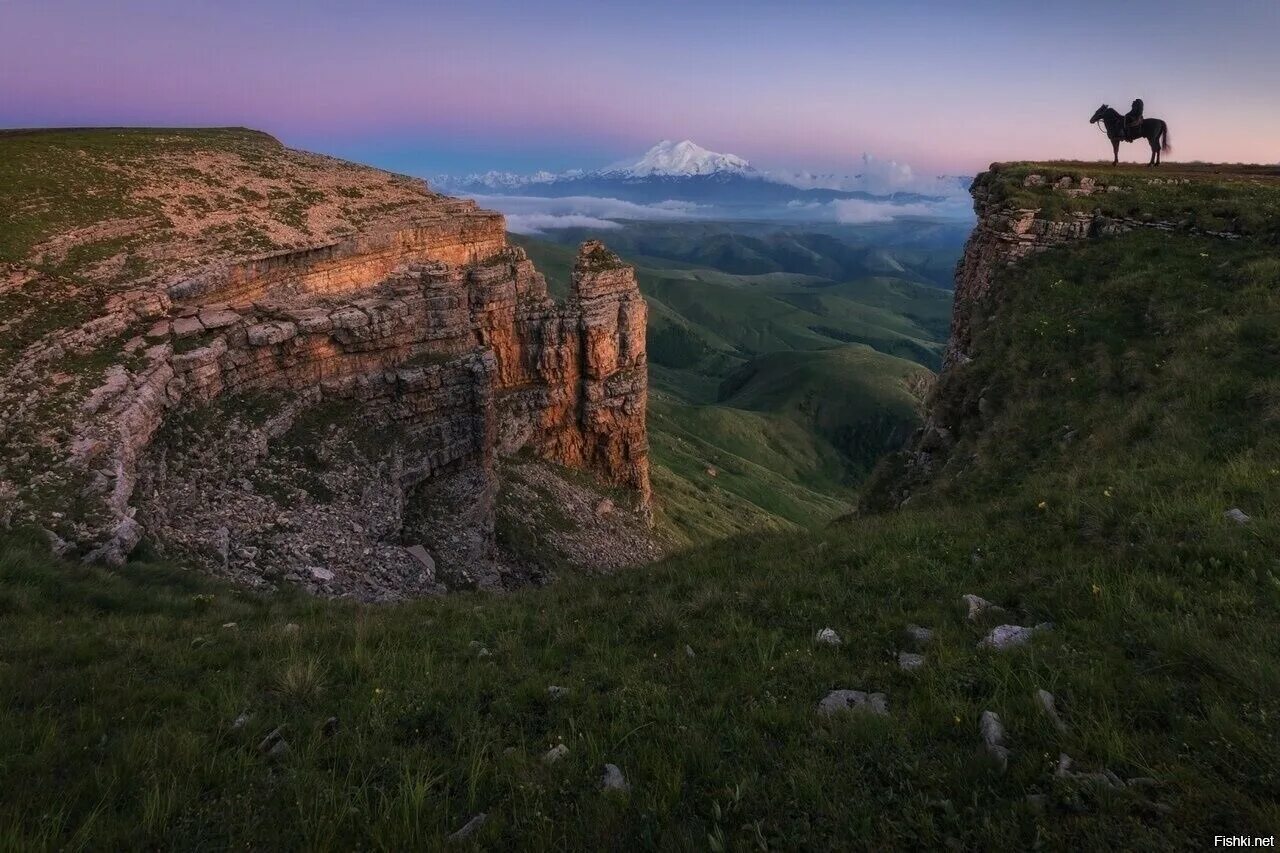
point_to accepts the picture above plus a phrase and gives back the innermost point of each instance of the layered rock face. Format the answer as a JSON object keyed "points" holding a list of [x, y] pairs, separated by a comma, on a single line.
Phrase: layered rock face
{"points": [[437, 336]]}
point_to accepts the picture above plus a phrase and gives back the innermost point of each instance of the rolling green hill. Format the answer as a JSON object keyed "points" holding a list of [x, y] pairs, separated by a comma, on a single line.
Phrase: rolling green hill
{"points": [[918, 250], [786, 385], [1132, 401]]}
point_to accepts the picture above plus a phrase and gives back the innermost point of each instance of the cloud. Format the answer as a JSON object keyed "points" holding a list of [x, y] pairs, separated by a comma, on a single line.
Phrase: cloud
{"points": [[537, 223], [857, 211], [880, 177], [535, 214]]}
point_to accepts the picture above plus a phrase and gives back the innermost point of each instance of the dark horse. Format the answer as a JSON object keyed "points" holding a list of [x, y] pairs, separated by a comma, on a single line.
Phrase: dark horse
{"points": [[1154, 130]]}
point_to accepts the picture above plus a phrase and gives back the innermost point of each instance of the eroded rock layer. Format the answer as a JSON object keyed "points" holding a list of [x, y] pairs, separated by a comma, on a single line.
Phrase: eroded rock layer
{"points": [[333, 415]]}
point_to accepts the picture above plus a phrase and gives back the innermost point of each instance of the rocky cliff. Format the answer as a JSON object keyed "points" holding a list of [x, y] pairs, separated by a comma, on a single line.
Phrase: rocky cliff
{"points": [[1023, 210], [330, 413]]}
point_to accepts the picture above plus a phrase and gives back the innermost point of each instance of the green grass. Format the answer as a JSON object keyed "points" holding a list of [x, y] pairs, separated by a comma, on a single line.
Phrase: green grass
{"points": [[1155, 352], [1239, 199]]}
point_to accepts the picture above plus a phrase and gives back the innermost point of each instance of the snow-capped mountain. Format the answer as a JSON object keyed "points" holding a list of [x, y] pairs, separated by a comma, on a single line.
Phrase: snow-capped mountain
{"points": [[681, 160], [683, 179]]}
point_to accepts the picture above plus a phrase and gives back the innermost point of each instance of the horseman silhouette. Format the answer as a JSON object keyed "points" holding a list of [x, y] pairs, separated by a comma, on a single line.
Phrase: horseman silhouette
{"points": [[1132, 127]]}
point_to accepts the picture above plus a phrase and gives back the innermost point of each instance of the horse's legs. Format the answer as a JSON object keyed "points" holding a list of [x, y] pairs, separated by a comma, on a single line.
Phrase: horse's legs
{"points": [[1115, 152]]}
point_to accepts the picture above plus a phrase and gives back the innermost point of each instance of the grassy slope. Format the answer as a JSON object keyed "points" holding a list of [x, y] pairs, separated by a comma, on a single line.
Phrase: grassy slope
{"points": [[777, 462], [45, 174], [1157, 350]]}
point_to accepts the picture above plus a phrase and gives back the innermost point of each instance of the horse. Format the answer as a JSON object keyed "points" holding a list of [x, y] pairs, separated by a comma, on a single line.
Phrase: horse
{"points": [[1154, 130]]}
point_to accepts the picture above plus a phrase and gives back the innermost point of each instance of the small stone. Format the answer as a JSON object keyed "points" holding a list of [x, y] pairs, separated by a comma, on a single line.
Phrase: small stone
{"points": [[273, 739], [993, 737], [1004, 637], [241, 721], [290, 629], [689, 652], [422, 558], [478, 648], [827, 637], [1105, 778], [279, 749], [613, 780], [320, 573], [470, 828], [330, 727], [1047, 704], [229, 625], [838, 701], [1237, 515], [910, 662], [604, 508], [919, 636], [218, 318], [978, 606], [557, 692], [555, 753]]}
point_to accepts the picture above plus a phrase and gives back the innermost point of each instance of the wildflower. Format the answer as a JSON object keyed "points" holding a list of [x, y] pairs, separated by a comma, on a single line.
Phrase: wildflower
{"points": [[1042, 505], [1097, 590], [1106, 493]]}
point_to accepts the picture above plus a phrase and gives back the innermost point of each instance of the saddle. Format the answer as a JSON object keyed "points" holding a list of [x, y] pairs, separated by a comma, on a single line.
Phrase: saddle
{"points": [[1132, 128]]}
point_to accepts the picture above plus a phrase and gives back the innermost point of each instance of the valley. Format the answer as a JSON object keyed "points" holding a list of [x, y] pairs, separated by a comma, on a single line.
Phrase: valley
{"points": [[783, 360]]}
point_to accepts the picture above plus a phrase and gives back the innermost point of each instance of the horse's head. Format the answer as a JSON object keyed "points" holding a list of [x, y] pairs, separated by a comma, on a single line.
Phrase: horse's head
{"points": [[1100, 114]]}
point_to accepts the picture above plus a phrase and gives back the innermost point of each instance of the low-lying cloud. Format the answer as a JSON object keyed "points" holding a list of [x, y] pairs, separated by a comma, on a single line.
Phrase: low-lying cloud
{"points": [[536, 214], [539, 214], [859, 211]]}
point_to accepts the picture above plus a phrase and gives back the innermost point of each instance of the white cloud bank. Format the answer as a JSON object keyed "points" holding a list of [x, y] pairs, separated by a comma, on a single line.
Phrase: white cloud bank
{"points": [[536, 214], [880, 177]]}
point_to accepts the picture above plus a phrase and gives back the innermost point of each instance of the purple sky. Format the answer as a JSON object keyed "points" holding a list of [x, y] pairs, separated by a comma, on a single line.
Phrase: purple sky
{"points": [[433, 87]]}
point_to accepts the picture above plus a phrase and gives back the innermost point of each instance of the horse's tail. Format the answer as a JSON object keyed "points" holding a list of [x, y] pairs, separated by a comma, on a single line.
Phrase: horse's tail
{"points": [[1165, 147]]}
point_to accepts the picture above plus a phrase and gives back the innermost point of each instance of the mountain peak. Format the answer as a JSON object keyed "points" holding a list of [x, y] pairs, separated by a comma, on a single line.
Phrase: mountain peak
{"points": [[684, 158]]}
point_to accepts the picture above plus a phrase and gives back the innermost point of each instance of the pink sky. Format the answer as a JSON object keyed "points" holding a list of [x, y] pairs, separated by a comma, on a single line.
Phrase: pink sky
{"points": [[495, 83]]}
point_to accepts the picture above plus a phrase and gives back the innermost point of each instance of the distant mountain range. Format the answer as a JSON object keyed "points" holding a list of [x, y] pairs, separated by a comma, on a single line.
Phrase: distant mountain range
{"points": [[687, 172]]}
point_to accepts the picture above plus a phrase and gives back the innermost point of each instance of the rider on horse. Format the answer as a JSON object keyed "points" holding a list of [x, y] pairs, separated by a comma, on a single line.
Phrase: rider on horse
{"points": [[1133, 121]]}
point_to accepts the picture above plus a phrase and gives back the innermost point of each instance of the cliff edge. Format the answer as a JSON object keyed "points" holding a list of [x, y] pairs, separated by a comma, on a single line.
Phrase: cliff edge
{"points": [[1026, 209], [298, 369]]}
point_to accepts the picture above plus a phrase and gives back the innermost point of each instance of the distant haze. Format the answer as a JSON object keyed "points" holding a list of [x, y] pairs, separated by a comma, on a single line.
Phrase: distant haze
{"points": [[430, 87]]}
